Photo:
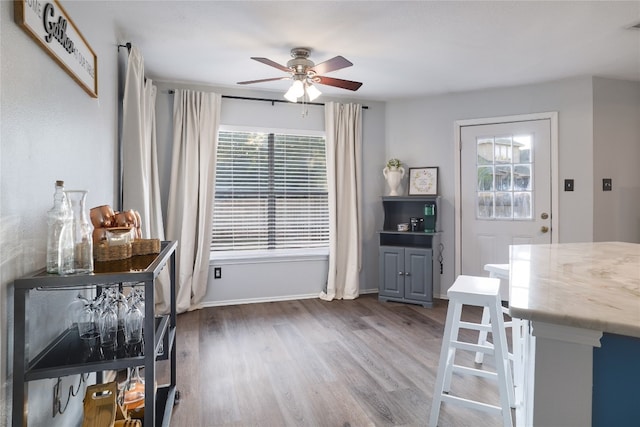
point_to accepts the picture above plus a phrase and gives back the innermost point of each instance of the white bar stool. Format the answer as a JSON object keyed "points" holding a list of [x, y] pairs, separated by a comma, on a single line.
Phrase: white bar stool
{"points": [[480, 292], [501, 271]]}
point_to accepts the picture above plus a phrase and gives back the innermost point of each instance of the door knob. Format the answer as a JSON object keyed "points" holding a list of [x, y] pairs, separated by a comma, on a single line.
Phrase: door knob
{"points": [[400, 273], [544, 229], [407, 274], [544, 215]]}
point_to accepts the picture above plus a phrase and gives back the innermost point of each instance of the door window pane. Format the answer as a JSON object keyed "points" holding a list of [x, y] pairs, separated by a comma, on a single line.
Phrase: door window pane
{"points": [[522, 205], [522, 177], [503, 178], [502, 149], [523, 149], [485, 151], [503, 205], [485, 178], [485, 205]]}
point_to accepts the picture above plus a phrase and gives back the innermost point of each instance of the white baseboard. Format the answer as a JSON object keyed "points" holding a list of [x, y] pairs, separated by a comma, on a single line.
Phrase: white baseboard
{"points": [[255, 300], [268, 299]]}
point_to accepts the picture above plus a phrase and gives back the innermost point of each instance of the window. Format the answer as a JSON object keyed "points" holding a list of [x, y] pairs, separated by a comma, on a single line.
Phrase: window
{"points": [[504, 168], [271, 192]]}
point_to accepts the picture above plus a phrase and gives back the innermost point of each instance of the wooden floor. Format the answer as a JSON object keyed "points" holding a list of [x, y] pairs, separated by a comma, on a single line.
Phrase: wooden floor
{"points": [[318, 363]]}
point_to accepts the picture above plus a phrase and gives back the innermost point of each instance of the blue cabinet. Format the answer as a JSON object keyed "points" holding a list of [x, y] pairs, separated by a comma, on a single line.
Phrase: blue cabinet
{"points": [[406, 275], [409, 266]]}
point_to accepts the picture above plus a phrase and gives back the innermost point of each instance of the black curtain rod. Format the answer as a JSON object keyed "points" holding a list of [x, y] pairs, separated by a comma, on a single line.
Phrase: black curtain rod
{"points": [[127, 45], [272, 101]]}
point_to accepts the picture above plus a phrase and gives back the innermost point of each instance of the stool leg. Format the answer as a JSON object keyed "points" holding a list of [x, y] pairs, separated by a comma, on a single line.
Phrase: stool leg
{"points": [[482, 336], [445, 352], [518, 366], [505, 383], [451, 355]]}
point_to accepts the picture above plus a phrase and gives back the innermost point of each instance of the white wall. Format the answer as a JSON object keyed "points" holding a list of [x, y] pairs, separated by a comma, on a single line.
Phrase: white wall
{"points": [[282, 278], [49, 129], [616, 135], [420, 133]]}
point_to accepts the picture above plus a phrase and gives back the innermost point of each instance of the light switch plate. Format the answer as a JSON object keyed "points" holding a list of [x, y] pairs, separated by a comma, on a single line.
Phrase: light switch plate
{"points": [[607, 185], [568, 185]]}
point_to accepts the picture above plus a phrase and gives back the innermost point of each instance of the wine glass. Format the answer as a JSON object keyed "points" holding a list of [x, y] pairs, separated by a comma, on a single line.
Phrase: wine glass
{"points": [[133, 324], [136, 296], [108, 328], [75, 309], [120, 306], [88, 330]]}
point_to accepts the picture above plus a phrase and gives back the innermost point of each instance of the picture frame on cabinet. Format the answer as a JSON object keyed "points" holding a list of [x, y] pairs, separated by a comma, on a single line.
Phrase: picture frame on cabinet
{"points": [[423, 181]]}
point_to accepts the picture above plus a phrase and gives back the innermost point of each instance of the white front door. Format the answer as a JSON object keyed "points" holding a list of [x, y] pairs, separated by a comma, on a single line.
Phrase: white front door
{"points": [[505, 190]]}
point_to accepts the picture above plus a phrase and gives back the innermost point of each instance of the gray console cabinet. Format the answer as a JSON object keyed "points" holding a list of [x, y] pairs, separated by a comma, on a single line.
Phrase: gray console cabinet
{"points": [[409, 266]]}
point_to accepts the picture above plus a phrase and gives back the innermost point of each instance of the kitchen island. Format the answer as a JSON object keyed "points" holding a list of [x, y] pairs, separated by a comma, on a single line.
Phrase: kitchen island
{"points": [[580, 303]]}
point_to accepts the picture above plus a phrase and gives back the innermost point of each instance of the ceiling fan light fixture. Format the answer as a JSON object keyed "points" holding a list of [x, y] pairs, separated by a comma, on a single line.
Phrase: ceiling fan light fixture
{"points": [[289, 96], [312, 92], [295, 91], [297, 88]]}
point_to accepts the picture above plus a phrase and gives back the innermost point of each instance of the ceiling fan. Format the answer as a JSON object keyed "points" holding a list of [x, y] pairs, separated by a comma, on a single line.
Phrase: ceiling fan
{"points": [[305, 73]]}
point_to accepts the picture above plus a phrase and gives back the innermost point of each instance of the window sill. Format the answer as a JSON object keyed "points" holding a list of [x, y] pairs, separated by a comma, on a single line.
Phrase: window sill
{"points": [[280, 255]]}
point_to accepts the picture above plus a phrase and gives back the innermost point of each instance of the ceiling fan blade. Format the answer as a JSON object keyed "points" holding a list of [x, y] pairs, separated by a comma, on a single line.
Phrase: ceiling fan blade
{"points": [[267, 61], [344, 84], [248, 82], [332, 64]]}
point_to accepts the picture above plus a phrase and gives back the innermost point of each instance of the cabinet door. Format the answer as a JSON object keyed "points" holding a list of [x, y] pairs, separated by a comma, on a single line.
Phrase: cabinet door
{"points": [[418, 281], [392, 271]]}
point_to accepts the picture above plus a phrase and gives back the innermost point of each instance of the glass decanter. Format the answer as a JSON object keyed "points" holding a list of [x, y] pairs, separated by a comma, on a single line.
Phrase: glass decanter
{"points": [[82, 232]]}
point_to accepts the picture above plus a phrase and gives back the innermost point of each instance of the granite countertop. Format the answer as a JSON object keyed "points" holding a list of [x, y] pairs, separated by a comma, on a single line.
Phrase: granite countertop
{"points": [[586, 285]]}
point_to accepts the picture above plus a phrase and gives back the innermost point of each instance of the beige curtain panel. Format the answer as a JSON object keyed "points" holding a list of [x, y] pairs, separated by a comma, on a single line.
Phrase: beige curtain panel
{"points": [[196, 118], [343, 128], [140, 178]]}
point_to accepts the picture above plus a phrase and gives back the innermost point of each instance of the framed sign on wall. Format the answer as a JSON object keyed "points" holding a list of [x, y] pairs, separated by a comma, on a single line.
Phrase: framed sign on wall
{"points": [[423, 181], [51, 27]]}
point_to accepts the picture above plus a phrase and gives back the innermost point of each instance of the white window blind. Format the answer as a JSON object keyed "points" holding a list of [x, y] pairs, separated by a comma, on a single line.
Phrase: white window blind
{"points": [[271, 192]]}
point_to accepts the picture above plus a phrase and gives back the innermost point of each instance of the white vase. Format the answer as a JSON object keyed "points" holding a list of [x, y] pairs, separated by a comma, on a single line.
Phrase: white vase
{"points": [[394, 178]]}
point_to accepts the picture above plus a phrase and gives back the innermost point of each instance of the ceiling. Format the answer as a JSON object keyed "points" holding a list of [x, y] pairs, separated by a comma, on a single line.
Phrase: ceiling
{"points": [[399, 49]]}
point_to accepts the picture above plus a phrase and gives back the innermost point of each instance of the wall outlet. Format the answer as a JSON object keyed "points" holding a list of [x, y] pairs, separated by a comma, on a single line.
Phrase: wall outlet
{"points": [[217, 272], [607, 184]]}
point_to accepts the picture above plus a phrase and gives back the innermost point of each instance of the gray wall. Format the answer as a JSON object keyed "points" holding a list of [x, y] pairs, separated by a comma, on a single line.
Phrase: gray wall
{"points": [[270, 279], [616, 136], [50, 129], [420, 133]]}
